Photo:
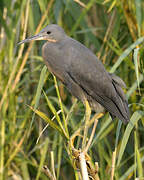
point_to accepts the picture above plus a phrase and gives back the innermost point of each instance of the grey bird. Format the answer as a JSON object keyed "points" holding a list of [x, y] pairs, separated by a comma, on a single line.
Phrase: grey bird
{"points": [[82, 73]]}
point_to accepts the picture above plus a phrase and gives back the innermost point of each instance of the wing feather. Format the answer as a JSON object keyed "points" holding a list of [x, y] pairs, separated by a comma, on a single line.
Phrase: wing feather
{"points": [[89, 73]]}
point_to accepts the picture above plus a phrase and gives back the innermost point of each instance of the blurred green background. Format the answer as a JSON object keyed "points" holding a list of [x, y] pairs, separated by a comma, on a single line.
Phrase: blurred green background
{"points": [[114, 31]]}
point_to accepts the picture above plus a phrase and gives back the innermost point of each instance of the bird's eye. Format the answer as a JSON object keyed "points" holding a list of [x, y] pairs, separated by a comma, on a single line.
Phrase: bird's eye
{"points": [[48, 32]]}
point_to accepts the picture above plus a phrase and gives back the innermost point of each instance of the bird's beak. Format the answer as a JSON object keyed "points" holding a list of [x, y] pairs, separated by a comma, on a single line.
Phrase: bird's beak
{"points": [[36, 37], [32, 38]]}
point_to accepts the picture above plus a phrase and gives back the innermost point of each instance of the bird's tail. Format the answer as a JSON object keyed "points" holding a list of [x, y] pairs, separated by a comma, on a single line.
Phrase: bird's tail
{"points": [[120, 101]]}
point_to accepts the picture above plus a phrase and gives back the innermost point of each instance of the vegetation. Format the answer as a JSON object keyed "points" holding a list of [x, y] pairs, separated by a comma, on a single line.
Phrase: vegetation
{"points": [[30, 96]]}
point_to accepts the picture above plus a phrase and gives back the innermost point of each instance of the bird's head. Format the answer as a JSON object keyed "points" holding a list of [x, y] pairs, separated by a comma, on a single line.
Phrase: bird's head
{"points": [[51, 33]]}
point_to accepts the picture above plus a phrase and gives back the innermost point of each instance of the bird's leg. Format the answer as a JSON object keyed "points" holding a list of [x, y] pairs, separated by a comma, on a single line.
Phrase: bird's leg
{"points": [[87, 118]]}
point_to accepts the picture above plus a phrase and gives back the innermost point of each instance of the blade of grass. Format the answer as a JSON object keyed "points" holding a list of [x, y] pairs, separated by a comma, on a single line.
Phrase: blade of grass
{"points": [[134, 119], [105, 125], [71, 110], [137, 154], [18, 57], [135, 56], [139, 164], [46, 128], [115, 151], [118, 132], [60, 148], [106, 131], [38, 92], [52, 108], [24, 170], [125, 54], [138, 5], [88, 6], [134, 86], [42, 159], [129, 171], [30, 47], [51, 123], [87, 119], [61, 106], [112, 5], [16, 150], [2, 143]]}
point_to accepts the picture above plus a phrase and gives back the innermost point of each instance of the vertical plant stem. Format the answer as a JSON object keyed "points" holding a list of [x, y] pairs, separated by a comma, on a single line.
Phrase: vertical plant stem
{"points": [[61, 106], [113, 163], [52, 164], [17, 60], [30, 46], [92, 135], [87, 118], [83, 167], [2, 142], [135, 155], [59, 156]]}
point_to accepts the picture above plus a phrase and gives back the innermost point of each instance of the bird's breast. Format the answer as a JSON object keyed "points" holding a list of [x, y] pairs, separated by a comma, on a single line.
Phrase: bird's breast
{"points": [[53, 58]]}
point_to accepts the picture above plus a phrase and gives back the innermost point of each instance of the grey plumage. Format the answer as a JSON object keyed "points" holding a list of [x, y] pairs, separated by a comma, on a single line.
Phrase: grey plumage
{"points": [[82, 73]]}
